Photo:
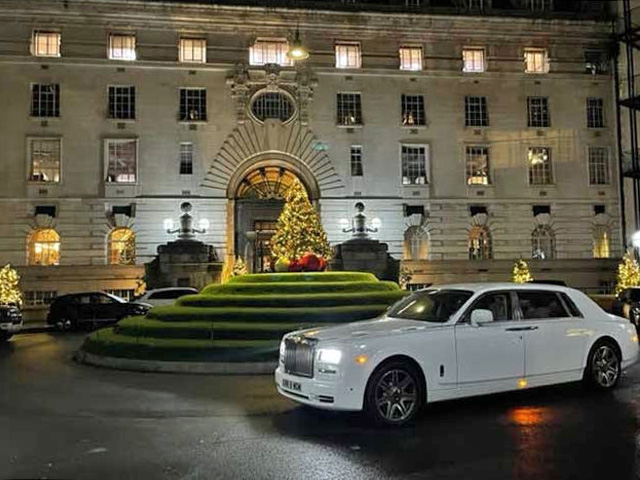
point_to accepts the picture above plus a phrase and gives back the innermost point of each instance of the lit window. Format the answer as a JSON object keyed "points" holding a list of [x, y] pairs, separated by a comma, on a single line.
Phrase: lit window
{"points": [[349, 109], [122, 102], [45, 100], [601, 239], [265, 51], [121, 160], [536, 60], [122, 47], [595, 113], [348, 55], [45, 44], [475, 112], [193, 50], [539, 159], [477, 159], [411, 58], [186, 158], [414, 164], [122, 247], [479, 243], [413, 110], [416, 244], [356, 161], [538, 112], [193, 105], [272, 105], [543, 243], [473, 60], [44, 247], [598, 165], [44, 159]]}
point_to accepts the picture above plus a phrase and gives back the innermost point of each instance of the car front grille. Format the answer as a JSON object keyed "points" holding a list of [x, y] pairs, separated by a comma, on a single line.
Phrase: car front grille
{"points": [[298, 356]]}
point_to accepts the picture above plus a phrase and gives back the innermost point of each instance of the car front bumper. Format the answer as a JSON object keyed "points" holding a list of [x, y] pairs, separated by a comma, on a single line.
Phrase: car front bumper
{"points": [[325, 394], [10, 328]]}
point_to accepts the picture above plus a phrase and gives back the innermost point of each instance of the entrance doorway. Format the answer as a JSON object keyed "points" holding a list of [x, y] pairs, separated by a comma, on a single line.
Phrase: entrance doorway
{"points": [[259, 201]]}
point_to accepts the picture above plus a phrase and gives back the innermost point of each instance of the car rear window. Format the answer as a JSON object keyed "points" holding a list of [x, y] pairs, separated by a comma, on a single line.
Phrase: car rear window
{"points": [[541, 304]]}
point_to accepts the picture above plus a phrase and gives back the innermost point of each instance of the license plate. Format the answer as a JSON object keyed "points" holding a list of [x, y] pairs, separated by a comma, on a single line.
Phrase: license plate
{"points": [[5, 326], [289, 385]]}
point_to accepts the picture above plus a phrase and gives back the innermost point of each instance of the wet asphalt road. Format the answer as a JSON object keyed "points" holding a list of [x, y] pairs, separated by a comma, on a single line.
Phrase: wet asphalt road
{"points": [[63, 420]]}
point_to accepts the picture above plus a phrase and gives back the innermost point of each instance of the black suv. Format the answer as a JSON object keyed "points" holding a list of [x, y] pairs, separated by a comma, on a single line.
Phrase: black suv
{"points": [[69, 312], [627, 305], [10, 321]]}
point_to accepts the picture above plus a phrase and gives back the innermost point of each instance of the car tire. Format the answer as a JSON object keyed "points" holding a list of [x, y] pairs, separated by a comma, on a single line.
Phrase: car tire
{"points": [[604, 366], [394, 394]]}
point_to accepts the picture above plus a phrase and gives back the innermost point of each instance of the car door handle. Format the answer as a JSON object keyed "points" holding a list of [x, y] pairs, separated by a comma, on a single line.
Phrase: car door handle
{"points": [[521, 329]]}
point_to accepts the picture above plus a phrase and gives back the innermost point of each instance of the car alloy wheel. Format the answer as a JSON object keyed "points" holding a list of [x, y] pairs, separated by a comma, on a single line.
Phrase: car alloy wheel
{"points": [[396, 395], [605, 366]]}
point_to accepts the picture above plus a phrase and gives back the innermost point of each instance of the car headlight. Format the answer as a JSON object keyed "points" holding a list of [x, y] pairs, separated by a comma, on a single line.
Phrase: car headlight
{"points": [[329, 355], [282, 350]]}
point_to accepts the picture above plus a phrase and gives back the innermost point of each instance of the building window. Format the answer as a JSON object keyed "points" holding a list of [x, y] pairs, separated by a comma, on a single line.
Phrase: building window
{"points": [[598, 165], [44, 159], [536, 60], [122, 102], [193, 50], [45, 100], [44, 247], [121, 161], [416, 244], [272, 105], [356, 161], [479, 243], [539, 159], [540, 5], [186, 158], [595, 113], [413, 110], [122, 246], [265, 51], [475, 112], [595, 62], [411, 58], [127, 294], [477, 158], [45, 44], [473, 60], [38, 298], [538, 112], [349, 109], [193, 104], [412, 3], [348, 55], [122, 47], [543, 243], [414, 165], [601, 239], [476, 5]]}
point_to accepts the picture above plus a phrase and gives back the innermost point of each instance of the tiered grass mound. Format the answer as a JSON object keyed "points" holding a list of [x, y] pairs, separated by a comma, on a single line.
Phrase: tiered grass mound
{"points": [[244, 319]]}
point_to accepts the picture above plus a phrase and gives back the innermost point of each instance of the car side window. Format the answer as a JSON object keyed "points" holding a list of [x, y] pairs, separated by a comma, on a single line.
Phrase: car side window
{"points": [[84, 299], [536, 305], [499, 303]]}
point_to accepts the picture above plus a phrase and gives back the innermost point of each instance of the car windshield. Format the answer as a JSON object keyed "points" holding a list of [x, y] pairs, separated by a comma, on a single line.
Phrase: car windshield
{"points": [[430, 305]]}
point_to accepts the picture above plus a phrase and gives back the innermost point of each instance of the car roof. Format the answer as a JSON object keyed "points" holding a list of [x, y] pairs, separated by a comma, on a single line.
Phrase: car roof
{"points": [[485, 287], [168, 289]]}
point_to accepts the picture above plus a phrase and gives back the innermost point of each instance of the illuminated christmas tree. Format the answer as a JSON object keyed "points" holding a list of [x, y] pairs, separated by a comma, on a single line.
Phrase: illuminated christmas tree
{"points": [[239, 268], [521, 272], [628, 273], [10, 286], [299, 229]]}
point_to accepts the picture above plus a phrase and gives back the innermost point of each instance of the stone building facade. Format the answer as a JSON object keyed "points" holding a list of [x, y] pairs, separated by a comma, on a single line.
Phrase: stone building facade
{"points": [[474, 136]]}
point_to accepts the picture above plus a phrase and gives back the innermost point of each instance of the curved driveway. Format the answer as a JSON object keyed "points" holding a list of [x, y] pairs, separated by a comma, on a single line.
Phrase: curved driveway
{"points": [[59, 419]]}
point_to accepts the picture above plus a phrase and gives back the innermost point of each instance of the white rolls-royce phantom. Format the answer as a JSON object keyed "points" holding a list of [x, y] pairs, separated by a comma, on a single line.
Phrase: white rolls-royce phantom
{"points": [[456, 341]]}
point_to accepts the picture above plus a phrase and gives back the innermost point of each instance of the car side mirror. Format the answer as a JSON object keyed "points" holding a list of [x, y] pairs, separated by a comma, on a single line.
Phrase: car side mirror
{"points": [[480, 317]]}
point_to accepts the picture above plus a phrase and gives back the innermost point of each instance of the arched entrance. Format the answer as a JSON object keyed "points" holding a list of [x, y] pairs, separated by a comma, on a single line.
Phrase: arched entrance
{"points": [[259, 198]]}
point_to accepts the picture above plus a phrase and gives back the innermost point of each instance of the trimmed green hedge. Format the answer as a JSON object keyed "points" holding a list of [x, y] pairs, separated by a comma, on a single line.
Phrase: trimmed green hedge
{"points": [[272, 300], [322, 277], [288, 288], [144, 327], [342, 314], [107, 342]]}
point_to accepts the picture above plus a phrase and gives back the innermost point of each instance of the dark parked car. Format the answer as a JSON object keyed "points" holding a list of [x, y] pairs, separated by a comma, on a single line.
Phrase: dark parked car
{"points": [[68, 312], [10, 321], [627, 305]]}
